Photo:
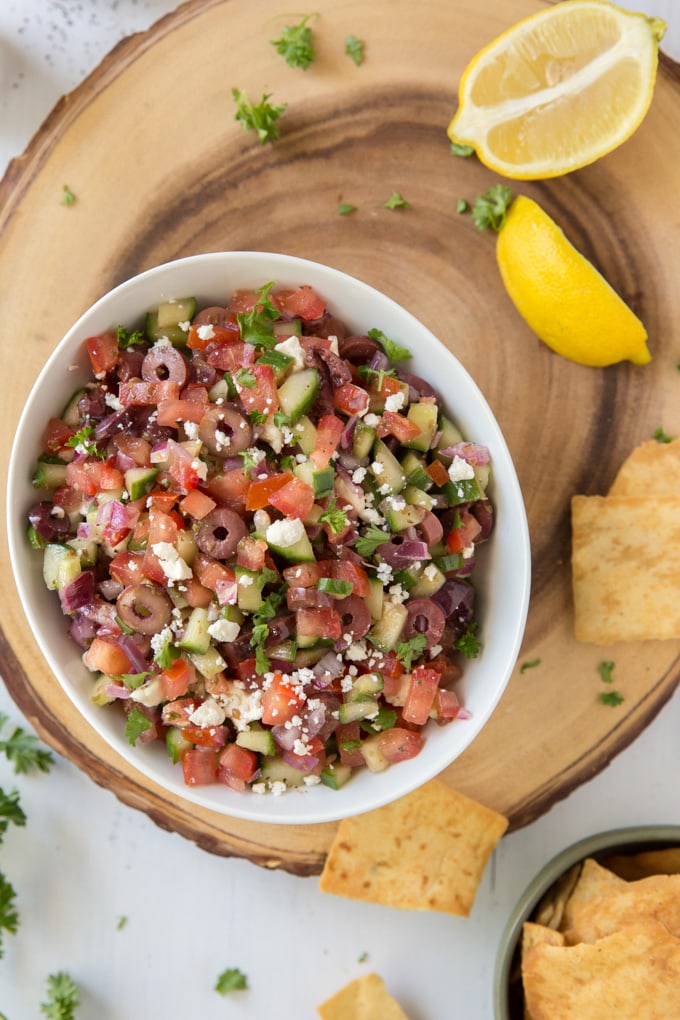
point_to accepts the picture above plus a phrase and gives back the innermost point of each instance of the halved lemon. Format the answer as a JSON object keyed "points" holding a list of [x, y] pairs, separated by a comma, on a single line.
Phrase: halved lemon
{"points": [[561, 295], [559, 89]]}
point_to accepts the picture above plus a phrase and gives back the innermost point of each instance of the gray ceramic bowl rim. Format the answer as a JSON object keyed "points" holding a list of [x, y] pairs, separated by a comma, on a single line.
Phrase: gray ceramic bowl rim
{"points": [[637, 836]]}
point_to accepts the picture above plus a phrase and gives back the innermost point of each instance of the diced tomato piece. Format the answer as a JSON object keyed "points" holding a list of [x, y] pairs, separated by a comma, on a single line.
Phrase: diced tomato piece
{"points": [[260, 394], [246, 670], [126, 568], [304, 303], [395, 689], [346, 570], [230, 357], [229, 489], [422, 689], [280, 701], [351, 399], [328, 433], [104, 353], [206, 736], [196, 594], [242, 301], [57, 434], [227, 333], [384, 386], [399, 744], [197, 504], [306, 575], [211, 573], [162, 528], [319, 622], [295, 499], [437, 472], [105, 656], [348, 738], [177, 679], [199, 766], [446, 704], [464, 535], [251, 552], [194, 393], [237, 762], [448, 671], [397, 425], [178, 712], [389, 666], [172, 412], [93, 476], [136, 393], [262, 488], [67, 498]]}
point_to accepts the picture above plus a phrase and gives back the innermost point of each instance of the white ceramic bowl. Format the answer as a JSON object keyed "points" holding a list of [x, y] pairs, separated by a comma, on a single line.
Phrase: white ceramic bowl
{"points": [[502, 574]]}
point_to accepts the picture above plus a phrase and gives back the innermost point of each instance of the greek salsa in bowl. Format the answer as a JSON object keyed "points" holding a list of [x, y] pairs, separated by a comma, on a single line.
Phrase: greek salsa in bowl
{"points": [[262, 531]]}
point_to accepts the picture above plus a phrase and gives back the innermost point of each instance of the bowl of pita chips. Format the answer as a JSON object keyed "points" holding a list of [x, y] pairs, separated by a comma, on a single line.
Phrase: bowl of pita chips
{"points": [[597, 933]]}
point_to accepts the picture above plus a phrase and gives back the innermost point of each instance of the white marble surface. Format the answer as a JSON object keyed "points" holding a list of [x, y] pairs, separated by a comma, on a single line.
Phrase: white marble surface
{"points": [[83, 860]]}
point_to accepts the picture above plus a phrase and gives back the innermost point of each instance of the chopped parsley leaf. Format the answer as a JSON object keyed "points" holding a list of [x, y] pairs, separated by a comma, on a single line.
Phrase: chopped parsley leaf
{"points": [[67, 197], [605, 670], [10, 811], [256, 326], [136, 724], [9, 917], [462, 206], [412, 649], [129, 338], [393, 350], [257, 417], [83, 439], [661, 436], [335, 517], [397, 201], [296, 44], [354, 48], [611, 698], [23, 750], [245, 378], [529, 665], [231, 980], [458, 149], [259, 117], [384, 719], [367, 543], [490, 209], [344, 208], [468, 643]]}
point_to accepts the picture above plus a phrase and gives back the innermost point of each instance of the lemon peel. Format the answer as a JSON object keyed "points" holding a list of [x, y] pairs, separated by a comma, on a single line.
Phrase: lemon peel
{"points": [[560, 294], [559, 89]]}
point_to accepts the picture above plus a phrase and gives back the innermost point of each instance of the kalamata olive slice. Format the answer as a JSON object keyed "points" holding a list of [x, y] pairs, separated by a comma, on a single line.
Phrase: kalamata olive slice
{"points": [[164, 362], [220, 532], [482, 510], [144, 608], [214, 315], [430, 528], [358, 349], [315, 347], [51, 523], [424, 617], [224, 430], [355, 616]]}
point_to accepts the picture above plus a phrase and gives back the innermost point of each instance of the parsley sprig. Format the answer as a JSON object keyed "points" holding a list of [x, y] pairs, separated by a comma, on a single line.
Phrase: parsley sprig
{"points": [[83, 439], [10, 811], [296, 44], [260, 117], [367, 543], [335, 517], [23, 750], [136, 723], [394, 351], [412, 649], [257, 326], [9, 915], [354, 48], [129, 338], [491, 208], [64, 997], [468, 643]]}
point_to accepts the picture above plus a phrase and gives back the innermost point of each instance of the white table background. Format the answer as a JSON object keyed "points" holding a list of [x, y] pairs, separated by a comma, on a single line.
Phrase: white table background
{"points": [[84, 860]]}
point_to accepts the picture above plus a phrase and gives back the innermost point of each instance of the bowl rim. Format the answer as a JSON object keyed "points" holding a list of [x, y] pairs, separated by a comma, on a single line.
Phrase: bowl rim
{"points": [[343, 287], [632, 836]]}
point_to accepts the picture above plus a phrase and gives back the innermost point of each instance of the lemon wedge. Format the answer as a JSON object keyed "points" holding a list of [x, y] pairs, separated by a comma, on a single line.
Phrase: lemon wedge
{"points": [[559, 89], [561, 295]]}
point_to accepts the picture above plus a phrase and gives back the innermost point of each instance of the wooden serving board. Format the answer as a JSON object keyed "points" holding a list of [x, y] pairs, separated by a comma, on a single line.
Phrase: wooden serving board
{"points": [[160, 169]]}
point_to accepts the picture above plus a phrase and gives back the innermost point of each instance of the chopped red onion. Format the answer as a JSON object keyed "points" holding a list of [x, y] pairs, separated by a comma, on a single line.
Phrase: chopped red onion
{"points": [[226, 591], [78, 594], [302, 762], [400, 554], [473, 453], [118, 691]]}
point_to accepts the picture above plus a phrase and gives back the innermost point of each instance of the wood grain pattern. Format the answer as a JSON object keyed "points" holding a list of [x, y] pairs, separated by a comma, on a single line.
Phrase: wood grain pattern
{"points": [[149, 146]]}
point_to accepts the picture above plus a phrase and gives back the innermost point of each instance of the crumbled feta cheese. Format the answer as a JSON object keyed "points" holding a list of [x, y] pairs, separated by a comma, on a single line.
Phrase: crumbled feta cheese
{"points": [[359, 475], [190, 429], [377, 468], [293, 348], [278, 788], [224, 631], [57, 511], [459, 469], [300, 748], [285, 533], [209, 713], [398, 593], [357, 651], [431, 572], [205, 331], [163, 341], [435, 651], [172, 564], [112, 401], [200, 467], [395, 401], [241, 706], [371, 419], [384, 572], [346, 684], [160, 640], [311, 779], [185, 326], [245, 580], [468, 551]]}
